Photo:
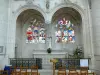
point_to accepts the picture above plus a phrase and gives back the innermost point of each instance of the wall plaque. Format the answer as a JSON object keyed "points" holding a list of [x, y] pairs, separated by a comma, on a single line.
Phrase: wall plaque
{"points": [[2, 51]]}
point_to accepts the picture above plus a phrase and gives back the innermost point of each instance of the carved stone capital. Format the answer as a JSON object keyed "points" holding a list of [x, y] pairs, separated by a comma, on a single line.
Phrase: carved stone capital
{"points": [[29, 2]]}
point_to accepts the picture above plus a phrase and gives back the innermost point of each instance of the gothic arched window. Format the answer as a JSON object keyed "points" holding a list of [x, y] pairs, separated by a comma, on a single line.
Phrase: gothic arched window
{"points": [[65, 32]]}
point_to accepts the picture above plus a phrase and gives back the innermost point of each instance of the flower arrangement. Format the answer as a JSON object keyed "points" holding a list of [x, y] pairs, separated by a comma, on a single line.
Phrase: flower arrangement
{"points": [[49, 50], [78, 53]]}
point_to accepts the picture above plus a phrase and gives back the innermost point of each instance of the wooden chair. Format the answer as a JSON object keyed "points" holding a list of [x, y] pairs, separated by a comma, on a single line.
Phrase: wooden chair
{"points": [[83, 70], [34, 70], [14, 71], [2, 72], [62, 70], [72, 68], [23, 70]]}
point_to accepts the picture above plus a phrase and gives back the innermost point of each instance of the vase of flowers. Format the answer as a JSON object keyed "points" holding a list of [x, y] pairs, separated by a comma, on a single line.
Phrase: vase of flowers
{"points": [[49, 50]]}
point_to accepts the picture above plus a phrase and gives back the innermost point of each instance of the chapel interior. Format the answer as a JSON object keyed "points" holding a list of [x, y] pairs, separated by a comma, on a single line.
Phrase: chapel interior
{"points": [[49, 37]]}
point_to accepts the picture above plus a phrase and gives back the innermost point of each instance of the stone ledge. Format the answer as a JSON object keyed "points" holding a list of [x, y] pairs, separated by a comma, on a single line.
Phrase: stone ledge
{"points": [[42, 53]]}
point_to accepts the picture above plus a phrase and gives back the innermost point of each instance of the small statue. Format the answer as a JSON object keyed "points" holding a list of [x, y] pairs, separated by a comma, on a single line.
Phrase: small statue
{"points": [[47, 4]]}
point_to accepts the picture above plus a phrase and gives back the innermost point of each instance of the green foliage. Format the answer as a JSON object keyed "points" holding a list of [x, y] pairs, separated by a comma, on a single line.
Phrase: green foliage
{"points": [[78, 53]]}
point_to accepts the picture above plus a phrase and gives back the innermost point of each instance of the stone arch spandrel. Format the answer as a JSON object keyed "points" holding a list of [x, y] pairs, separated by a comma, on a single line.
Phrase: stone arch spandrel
{"points": [[72, 5], [25, 7]]}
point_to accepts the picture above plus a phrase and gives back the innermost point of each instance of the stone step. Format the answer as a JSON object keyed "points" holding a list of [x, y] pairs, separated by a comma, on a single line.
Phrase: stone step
{"points": [[48, 66]]}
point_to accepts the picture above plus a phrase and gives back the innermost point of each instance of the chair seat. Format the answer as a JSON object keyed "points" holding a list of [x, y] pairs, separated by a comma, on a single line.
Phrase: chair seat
{"points": [[15, 73], [2, 72], [29, 73], [34, 70], [23, 73], [61, 72], [73, 73]]}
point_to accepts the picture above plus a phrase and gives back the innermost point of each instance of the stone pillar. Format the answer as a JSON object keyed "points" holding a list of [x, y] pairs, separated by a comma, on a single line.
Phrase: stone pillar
{"points": [[95, 11], [89, 47], [3, 21], [11, 30], [49, 35], [3, 31]]}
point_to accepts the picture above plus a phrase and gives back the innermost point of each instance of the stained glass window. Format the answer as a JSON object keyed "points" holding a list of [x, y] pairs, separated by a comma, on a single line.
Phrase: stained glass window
{"points": [[65, 31], [36, 33]]}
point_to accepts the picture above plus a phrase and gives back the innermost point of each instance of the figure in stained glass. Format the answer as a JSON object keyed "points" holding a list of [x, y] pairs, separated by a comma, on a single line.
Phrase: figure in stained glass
{"points": [[58, 35], [29, 34]]}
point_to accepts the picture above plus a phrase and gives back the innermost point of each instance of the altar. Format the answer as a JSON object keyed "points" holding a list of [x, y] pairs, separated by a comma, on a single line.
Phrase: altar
{"points": [[46, 64]]}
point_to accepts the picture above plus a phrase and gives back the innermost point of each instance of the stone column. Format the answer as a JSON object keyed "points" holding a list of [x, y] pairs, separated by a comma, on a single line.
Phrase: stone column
{"points": [[49, 35], [3, 22], [10, 44], [95, 11], [4, 60]]}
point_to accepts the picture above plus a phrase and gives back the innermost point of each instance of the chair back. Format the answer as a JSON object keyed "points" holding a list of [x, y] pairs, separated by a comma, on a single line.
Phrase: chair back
{"points": [[84, 70], [12, 69], [23, 70], [62, 70], [34, 70], [72, 68], [2, 72]]}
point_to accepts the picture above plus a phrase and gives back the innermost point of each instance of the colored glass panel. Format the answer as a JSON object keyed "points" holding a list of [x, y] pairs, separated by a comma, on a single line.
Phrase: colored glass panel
{"points": [[65, 32]]}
